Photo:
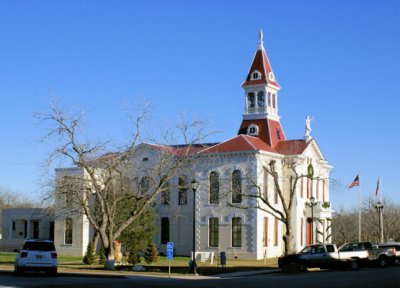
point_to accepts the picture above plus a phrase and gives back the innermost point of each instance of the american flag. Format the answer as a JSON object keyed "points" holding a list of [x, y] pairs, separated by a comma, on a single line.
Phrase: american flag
{"points": [[378, 184], [356, 182]]}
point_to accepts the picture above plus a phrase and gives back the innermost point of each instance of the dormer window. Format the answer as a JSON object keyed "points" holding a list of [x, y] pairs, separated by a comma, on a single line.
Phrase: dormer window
{"points": [[271, 76], [252, 130], [255, 75]]}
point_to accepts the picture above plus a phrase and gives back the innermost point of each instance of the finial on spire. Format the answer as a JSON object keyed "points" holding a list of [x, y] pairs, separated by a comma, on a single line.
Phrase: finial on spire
{"points": [[260, 40]]}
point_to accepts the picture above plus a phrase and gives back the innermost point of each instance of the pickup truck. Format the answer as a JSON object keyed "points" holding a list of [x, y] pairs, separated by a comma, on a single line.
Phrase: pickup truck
{"points": [[367, 253], [392, 252], [327, 256]]}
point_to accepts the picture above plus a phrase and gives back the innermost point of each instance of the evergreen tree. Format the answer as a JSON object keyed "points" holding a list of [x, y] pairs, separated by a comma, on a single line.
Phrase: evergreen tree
{"points": [[134, 257], [137, 236], [151, 254], [90, 255], [102, 256]]}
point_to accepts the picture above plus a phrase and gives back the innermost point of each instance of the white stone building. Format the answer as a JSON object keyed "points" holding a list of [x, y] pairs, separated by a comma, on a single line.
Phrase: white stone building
{"points": [[226, 173], [23, 223]]}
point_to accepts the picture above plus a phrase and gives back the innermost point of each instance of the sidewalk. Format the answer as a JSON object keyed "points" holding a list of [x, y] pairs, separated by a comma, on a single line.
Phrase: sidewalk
{"points": [[130, 274]]}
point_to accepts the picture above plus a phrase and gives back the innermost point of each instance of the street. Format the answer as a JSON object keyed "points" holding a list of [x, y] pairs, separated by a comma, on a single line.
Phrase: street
{"points": [[365, 278]]}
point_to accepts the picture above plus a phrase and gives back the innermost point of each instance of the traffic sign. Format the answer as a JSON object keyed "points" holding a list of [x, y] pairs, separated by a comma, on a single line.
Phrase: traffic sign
{"points": [[170, 250]]}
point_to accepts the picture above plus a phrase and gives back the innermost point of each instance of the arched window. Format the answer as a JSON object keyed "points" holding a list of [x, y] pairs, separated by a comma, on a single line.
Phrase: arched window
{"points": [[261, 99], [214, 188], [165, 190], [251, 101], [269, 99], [274, 101], [182, 193], [252, 130], [236, 186], [145, 185]]}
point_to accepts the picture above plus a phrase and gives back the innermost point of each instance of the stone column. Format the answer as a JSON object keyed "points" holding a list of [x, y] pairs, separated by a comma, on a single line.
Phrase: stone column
{"points": [[28, 229], [10, 235]]}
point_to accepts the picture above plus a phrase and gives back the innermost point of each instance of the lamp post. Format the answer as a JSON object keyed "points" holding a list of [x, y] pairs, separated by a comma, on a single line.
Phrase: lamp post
{"points": [[379, 208], [312, 204], [193, 266]]}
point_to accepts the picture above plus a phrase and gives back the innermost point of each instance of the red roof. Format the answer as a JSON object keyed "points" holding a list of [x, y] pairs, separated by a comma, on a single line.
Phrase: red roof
{"points": [[181, 150], [292, 147], [269, 131], [240, 143], [262, 65]]}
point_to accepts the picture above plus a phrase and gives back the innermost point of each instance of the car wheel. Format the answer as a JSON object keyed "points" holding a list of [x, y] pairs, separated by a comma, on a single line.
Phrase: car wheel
{"points": [[382, 261], [302, 267], [18, 271], [52, 272], [354, 264]]}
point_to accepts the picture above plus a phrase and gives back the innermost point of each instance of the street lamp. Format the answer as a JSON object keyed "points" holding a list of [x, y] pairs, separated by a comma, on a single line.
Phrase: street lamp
{"points": [[193, 266], [379, 208], [312, 204]]}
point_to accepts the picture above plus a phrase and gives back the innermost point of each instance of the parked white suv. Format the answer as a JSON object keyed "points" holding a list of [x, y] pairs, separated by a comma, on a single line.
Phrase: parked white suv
{"points": [[36, 255]]}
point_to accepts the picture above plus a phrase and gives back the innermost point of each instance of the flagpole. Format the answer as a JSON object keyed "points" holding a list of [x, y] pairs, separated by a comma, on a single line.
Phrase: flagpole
{"points": [[381, 216], [359, 213]]}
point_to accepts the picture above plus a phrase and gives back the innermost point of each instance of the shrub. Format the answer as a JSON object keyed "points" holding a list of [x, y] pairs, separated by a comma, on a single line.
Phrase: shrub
{"points": [[90, 256], [151, 254], [133, 257], [102, 256]]}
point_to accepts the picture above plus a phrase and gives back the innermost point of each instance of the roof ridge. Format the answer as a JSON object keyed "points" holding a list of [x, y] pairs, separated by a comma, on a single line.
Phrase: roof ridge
{"points": [[220, 143], [248, 141]]}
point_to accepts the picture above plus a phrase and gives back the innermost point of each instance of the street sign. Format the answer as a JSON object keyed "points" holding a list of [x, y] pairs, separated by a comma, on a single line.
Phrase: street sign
{"points": [[170, 251]]}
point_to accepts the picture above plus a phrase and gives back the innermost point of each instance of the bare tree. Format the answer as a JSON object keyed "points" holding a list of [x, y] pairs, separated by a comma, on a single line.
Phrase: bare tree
{"points": [[285, 188], [283, 212], [345, 222], [10, 199], [114, 189], [345, 226]]}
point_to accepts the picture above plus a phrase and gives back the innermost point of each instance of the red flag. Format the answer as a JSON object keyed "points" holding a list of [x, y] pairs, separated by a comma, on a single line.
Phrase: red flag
{"points": [[356, 182], [378, 184]]}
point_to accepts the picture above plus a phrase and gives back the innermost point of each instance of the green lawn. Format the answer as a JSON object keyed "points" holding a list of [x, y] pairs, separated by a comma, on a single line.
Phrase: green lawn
{"points": [[8, 258], [179, 265]]}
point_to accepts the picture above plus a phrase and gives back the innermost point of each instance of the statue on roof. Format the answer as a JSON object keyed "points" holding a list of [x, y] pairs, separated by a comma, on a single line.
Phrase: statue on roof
{"points": [[307, 135]]}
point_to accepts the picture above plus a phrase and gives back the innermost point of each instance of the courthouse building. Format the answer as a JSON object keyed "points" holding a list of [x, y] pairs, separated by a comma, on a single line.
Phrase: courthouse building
{"points": [[226, 173]]}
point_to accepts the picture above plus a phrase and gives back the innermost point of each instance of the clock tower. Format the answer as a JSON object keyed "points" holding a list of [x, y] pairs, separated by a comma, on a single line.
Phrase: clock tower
{"points": [[261, 118]]}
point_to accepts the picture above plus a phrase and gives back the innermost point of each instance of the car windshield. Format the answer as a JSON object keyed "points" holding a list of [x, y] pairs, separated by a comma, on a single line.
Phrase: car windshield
{"points": [[39, 246], [306, 249], [397, 247]]}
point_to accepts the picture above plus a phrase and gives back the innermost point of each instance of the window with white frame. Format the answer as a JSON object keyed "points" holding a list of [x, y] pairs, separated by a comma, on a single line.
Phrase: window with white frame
{"points": [[214, 188], [252, 130], [236, 186], [213, 232], [182, 190], [236, 232], [68, 231]]}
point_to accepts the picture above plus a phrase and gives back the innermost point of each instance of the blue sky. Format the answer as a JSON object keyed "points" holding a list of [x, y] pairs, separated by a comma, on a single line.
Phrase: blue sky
{"points": [[337, 61]]}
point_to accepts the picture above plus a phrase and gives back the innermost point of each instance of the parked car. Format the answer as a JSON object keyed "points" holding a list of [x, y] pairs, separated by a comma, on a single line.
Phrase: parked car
{"points": [[367, 253], [356, 250], [317, 256], [393, 251], [36, 255]]}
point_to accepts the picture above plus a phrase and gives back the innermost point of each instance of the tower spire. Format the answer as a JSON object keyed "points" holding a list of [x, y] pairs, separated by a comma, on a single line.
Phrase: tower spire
{"points": [[261, 118]]}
